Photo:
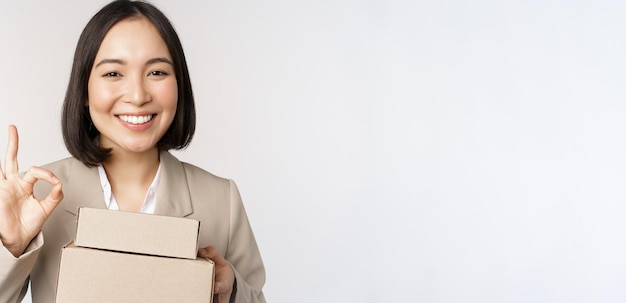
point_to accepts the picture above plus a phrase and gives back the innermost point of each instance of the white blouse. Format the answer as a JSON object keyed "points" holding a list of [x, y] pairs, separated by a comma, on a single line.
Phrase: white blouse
{"points": [[149, 203]]}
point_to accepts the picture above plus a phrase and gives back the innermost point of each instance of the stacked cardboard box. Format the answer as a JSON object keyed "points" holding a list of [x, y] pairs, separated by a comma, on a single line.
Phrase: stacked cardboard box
{"points": [[129, 257]]}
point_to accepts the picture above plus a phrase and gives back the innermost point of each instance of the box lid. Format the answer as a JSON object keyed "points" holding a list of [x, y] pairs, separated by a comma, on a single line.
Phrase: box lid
{"points": [[137, 233]]}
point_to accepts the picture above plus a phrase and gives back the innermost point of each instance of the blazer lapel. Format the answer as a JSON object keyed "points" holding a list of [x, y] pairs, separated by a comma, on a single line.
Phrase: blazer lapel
{"points": [[86, 189], [173, 197], [82, 189]]}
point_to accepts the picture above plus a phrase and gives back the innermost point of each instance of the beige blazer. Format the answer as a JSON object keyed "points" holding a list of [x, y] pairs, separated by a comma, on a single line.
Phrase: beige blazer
{"points": [[183, 191]]}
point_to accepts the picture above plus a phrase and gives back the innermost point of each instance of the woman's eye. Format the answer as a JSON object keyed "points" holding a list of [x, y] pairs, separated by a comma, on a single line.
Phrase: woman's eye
{"points": [[111, 74], [158, 73]]}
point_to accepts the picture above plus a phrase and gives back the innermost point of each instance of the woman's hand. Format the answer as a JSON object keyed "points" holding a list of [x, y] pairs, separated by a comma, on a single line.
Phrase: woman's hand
{"points": [[224, 275], [21, 214]]}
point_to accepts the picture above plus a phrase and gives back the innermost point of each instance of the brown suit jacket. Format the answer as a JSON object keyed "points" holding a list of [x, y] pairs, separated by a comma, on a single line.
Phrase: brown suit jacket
{"points": [[183, 191]]}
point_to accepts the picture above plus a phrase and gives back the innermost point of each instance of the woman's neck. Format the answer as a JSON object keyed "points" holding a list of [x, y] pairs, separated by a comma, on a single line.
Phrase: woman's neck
{"points": [[130, 175]]}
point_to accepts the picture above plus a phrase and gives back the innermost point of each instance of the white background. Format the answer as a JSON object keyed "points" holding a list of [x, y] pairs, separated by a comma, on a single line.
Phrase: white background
{"points": [[388, 151]]}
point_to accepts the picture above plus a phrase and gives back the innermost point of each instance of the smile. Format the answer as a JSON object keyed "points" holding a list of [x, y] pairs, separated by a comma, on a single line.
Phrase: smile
{"points": [[136, 119]]}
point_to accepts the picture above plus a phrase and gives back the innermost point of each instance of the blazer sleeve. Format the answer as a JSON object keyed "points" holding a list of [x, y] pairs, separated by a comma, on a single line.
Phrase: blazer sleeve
{"points": [[14, 271], [243, 253]]}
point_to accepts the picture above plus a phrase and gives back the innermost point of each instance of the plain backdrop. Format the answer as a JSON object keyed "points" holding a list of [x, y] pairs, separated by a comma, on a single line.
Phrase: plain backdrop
{"points": [[387, 151]]}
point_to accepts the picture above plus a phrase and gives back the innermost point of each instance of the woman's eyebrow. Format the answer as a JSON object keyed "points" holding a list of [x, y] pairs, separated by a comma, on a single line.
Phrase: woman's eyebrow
{"points": [[159, 60], [104, 61]]}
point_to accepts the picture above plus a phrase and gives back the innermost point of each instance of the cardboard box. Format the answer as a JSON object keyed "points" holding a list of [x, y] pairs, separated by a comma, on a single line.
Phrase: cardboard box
{"points": [[124, 274], [96, 275], [137, 233]]}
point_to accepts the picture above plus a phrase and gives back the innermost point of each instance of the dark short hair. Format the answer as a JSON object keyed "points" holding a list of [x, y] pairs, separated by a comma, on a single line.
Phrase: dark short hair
{"points": [[79, 133]]}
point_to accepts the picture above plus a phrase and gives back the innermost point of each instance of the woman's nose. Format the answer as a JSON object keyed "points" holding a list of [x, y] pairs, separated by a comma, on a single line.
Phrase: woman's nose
{"points": [[137, 92]]}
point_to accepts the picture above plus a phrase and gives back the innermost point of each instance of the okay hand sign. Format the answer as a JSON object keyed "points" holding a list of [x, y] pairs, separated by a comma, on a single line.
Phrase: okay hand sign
{"points": [[21, 214]]}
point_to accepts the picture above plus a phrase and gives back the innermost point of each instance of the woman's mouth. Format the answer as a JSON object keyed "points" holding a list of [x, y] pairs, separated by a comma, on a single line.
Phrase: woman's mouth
{"points": [[136, 119]]}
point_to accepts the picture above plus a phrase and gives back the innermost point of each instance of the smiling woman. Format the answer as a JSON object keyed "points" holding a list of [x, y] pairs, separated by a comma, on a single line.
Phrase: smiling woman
{"points": [[129, 101]]}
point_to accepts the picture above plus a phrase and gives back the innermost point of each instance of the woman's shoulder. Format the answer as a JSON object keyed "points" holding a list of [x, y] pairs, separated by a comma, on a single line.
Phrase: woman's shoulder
{"points": [[193, 173], [62, 162], [65, 166]]}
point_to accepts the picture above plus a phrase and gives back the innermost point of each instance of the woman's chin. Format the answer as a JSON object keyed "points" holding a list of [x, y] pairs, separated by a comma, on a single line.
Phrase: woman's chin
{"points": [[135, 148]]}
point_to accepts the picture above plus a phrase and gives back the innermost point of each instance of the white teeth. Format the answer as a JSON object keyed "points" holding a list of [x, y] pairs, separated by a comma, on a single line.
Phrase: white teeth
{"points": [[135, 119]]}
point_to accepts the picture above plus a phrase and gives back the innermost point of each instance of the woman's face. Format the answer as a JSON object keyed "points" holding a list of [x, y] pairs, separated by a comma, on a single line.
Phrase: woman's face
{"points": [[132, 87]]}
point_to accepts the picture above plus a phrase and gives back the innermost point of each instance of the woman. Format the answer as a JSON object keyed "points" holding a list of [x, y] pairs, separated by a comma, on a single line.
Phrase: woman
{"points": [[129, 101]]}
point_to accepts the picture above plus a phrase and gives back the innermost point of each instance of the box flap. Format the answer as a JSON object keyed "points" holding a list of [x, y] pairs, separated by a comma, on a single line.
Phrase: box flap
{"points": [[137, 233]]}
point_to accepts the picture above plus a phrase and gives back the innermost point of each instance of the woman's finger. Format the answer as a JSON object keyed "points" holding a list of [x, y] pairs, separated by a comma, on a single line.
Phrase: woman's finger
{"points": [[10, 161], [224, 275], [212, 253], [52, 200], [2, 177], [1, 172], [37, 173]]}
